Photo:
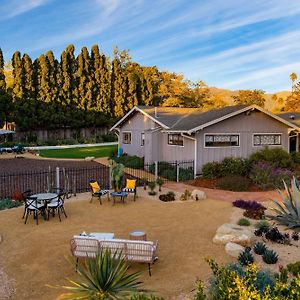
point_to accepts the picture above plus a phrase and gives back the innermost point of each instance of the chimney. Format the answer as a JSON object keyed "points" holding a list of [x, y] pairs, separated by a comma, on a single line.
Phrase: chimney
{"points": [[155, 112]]}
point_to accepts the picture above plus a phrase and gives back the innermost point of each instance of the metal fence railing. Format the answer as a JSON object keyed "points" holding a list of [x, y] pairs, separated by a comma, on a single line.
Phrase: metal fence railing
{"points": [[76, 180], [168, 171], [72, 180]]}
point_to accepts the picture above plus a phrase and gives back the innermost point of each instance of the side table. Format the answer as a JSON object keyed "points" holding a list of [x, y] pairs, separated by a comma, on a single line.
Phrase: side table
{"points": [[138, 235]]}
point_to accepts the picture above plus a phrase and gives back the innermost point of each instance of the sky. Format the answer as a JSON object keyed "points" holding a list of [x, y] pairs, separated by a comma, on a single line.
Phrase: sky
{"points": [[234, 44]]}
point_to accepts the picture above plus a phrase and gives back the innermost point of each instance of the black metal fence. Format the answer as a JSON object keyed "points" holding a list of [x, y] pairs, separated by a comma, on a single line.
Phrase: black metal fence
{"points": [[73, 180], [168, 171], [76, 180]]}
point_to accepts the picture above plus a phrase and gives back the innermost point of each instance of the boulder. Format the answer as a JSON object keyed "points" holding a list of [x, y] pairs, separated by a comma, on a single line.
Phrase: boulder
{"points": [[234, 249], [89, 158], [233, 233], [198, 195]]}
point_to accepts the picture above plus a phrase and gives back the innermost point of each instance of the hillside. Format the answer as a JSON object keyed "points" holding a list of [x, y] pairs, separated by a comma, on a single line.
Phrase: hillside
{"points": [[227, 97]]}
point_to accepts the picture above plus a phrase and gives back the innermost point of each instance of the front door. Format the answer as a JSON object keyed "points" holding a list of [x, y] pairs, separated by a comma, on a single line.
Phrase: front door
{"points": [[293, 141]]}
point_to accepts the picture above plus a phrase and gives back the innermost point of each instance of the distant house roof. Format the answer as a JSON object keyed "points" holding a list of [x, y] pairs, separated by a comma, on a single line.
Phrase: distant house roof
{"points": [[189, 120], [4, 131], [293, 117]]}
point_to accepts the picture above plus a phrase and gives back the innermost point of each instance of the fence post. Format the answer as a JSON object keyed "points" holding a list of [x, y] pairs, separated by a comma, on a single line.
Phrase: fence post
{"points": [[57, 177], [110, 179], [177, 171], [156, 169]]}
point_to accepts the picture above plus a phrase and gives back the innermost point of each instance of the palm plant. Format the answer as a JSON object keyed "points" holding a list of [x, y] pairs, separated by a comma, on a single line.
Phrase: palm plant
{"points": [[288, 210], [103, 278]]}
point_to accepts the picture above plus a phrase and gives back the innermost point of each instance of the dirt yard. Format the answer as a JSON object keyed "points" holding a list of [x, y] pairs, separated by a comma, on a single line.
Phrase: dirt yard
{"points": [[34, 256]]}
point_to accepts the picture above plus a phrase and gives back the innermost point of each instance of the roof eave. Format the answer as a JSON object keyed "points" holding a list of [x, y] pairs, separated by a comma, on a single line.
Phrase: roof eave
{"points": [[136, 108]]}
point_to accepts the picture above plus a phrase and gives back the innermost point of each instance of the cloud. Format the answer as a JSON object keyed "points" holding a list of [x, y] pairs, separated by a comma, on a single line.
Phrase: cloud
{"points": [[13, 8]]}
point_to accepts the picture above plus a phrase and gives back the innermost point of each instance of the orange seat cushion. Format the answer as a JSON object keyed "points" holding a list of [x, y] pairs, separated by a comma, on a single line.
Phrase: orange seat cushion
{"points": [[130, 183], [95, 186]]}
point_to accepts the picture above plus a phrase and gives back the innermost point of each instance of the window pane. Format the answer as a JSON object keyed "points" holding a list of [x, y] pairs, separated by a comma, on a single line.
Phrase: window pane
{"points": [[142, 139], [221, 140], [175, 139], [126, 137], [266, 139]]}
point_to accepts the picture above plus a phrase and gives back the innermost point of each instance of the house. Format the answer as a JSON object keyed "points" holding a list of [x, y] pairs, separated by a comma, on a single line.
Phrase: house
{"points": [[169, 134]]}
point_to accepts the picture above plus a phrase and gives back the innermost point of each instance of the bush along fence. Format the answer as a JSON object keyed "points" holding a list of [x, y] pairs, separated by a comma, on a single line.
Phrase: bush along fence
{"points": [[168, 171], [72, 180]]}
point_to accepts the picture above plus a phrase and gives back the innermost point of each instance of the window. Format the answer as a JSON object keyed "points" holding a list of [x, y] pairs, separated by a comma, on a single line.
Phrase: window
{"points": [[175, 139], [126, 137], [142, 139], [266, 139], [222, 140]]}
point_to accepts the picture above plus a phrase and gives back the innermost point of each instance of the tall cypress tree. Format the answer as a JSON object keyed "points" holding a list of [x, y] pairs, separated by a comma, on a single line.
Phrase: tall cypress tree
{"points": [[28, 77], [18, 86], [45, 89], [118, 89], [5, 99]]}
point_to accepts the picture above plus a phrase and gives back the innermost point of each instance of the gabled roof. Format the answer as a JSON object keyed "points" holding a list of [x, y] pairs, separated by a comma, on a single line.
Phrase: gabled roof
{"points": [[293, 117], [189, 120]]}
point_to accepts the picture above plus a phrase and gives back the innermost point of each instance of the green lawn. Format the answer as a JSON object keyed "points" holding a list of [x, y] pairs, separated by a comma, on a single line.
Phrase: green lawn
{"points": [[100, 151]]}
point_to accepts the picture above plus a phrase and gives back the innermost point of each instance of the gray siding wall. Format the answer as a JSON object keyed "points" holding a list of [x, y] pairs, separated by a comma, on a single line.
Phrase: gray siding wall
{"points": [[246, 126], [174, 152], [136, 125]]}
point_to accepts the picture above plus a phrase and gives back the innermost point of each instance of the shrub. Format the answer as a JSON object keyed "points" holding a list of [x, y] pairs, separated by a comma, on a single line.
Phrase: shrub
{"points": [[294, 268], [295, 236], [265, 175], [243, 222], [152, 185], [245, 258], [170, 196], [152, 193], [186, 174], [251, 284], [142, 296], [257, 214], [235, 166], [270, 257], [262, 224], [169, 174], [159, 182], [273, 234], [259, 248], [134, 162], [185, 195], [248, 205], [211, 170], [274, 156], [8, 203], [109, 137], [234, 183]]}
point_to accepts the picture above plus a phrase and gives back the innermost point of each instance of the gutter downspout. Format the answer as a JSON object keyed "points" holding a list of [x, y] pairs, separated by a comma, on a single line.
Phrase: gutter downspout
{"points": [[117, 133], [195, 159]]}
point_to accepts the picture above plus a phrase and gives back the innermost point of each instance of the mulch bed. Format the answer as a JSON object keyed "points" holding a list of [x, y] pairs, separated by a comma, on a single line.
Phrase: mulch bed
{"points": [[212, 184]]}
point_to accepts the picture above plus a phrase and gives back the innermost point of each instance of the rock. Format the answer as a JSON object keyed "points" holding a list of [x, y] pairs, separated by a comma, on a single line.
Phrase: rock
{"points": [[234, 249], [198, 195], [89, 158], [233, 233]]}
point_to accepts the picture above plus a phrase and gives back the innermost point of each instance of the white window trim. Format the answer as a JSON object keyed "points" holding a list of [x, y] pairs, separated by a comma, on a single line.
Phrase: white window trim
{"points": [[222, 147], [130, 138], [269, 133], [182, 146], [142, 139]]}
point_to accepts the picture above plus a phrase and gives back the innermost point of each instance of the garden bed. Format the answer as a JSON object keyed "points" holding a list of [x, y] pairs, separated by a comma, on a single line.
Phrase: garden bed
{"points": [[213, 184]]}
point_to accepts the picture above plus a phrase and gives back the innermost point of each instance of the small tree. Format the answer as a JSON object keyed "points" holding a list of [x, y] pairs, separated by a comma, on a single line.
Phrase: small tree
{"points": [[152, 186], [159, 182]]}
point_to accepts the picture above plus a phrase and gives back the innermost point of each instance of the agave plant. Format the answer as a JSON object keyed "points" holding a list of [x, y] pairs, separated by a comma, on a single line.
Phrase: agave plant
{"points": [[103, 278], [116, 174], [288, 210]]}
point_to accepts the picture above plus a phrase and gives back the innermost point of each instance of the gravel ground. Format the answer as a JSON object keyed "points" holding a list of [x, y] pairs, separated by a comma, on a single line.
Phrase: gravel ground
{"points": [[7, 291]]}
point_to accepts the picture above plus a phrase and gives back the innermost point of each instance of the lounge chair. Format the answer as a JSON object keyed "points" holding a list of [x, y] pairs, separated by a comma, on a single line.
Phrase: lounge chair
{"points": [[130, 187], [97, 191]]}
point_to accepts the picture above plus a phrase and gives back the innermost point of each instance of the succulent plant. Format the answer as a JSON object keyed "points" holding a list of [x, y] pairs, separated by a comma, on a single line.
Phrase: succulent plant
{"points": [[270, 257], [295, 236], [259, 248], [243, 222], [116, 174], [262, 224], [245, 258], [257, 214], [159, 182], [247, 205], [287, 212]]}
